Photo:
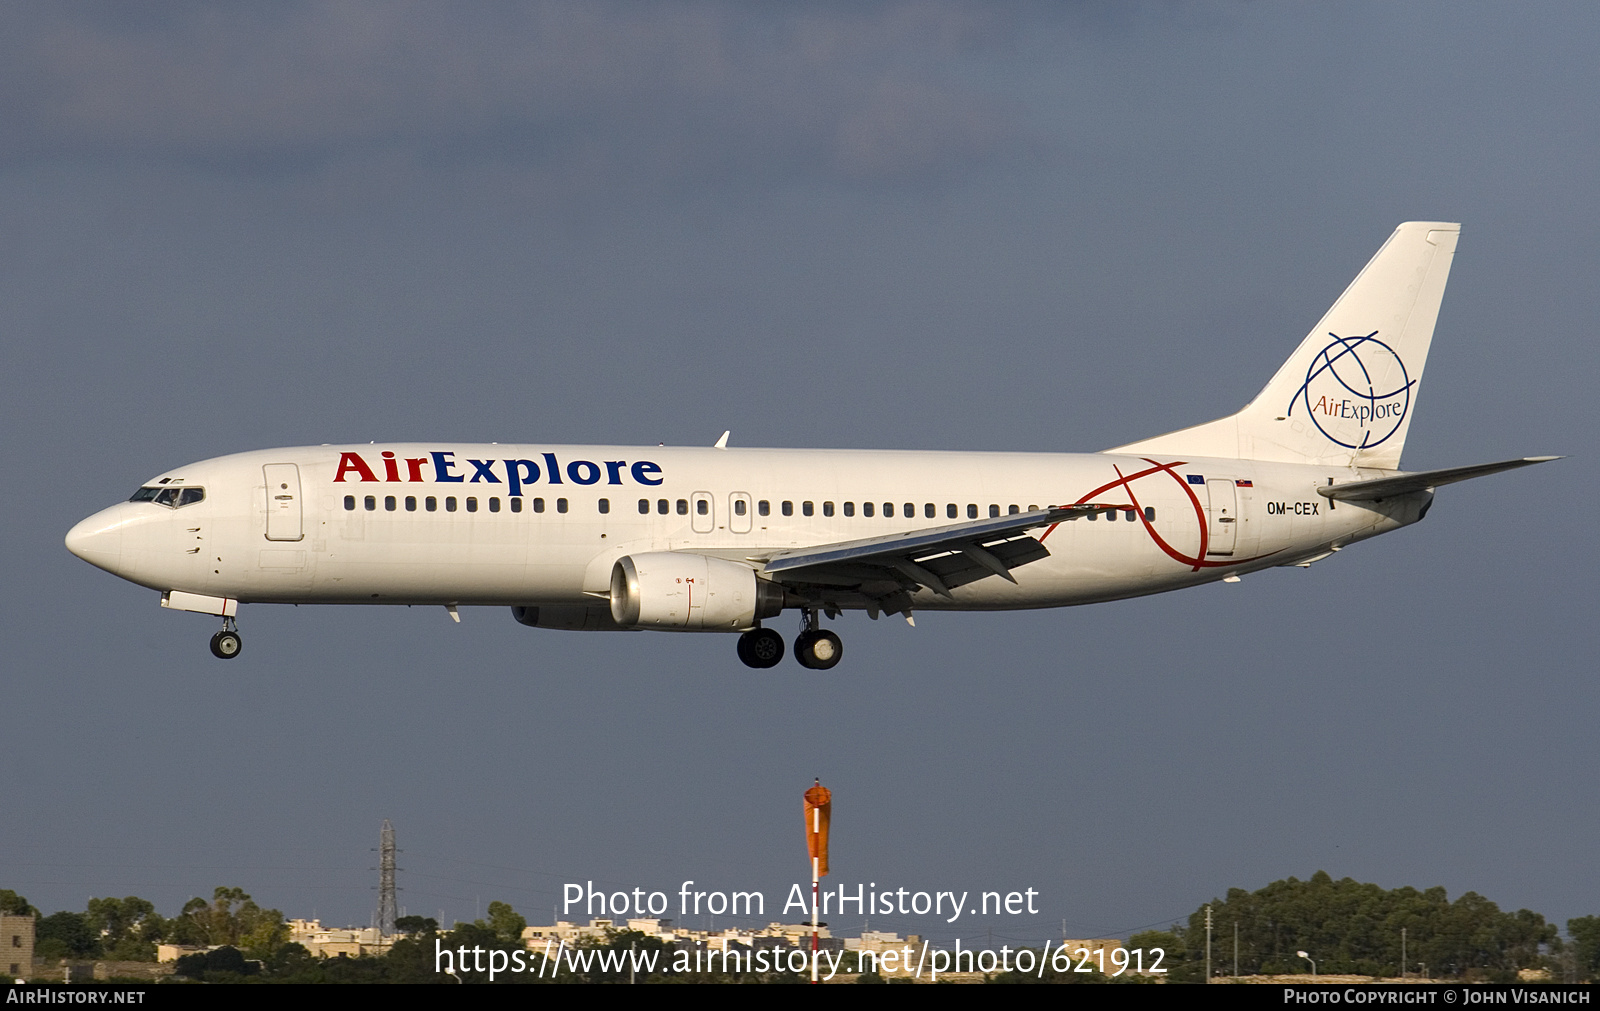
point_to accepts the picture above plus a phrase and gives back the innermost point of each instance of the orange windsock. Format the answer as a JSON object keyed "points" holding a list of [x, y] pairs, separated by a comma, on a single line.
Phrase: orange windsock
{"points": [[819, 808]]}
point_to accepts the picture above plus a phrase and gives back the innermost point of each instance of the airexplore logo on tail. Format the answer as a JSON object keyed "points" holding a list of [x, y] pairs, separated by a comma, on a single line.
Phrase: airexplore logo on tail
{"points": [[1357, 391]]}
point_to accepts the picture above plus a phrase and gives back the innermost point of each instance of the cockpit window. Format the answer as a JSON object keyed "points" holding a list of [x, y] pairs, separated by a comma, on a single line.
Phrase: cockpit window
{"points": [[172, 498]]}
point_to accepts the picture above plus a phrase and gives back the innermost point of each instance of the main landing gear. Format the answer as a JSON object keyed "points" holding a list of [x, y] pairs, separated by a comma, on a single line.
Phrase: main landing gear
{"points": [[761, 648], [816, 647], [226, 644]]}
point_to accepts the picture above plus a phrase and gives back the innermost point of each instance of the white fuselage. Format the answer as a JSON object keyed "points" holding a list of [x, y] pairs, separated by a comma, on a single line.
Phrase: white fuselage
{"points": [[532, 525]]}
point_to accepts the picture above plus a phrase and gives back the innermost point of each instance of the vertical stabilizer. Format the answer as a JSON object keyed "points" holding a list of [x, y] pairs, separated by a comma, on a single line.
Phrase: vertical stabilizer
{"points": [[1347, 394]]}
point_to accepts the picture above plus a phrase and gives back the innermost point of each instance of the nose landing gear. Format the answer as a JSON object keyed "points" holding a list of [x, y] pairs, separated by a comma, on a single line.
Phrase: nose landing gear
{"points": [[226, 644]]}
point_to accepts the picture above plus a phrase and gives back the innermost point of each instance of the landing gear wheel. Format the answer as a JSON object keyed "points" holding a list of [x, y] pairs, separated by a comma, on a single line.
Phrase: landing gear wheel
{"points": [[818, 649], [226, 644], [761, 648]]}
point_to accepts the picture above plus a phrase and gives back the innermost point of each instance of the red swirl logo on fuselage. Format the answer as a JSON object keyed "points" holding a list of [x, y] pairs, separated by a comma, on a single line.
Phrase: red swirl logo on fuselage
{"points": [[1197, 561]]}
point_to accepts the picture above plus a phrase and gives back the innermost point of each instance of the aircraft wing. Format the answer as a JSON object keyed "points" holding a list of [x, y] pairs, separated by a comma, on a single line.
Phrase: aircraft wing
{"points": [[940, 559], [1401, 484]]}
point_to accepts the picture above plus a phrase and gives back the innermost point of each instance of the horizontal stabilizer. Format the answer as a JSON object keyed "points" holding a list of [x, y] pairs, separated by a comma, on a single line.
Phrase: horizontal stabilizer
{"points": [[1402, 484]]}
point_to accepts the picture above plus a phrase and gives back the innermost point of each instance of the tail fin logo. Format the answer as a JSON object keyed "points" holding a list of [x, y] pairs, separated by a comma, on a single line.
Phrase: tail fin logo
{"points": [[1357, 391]]}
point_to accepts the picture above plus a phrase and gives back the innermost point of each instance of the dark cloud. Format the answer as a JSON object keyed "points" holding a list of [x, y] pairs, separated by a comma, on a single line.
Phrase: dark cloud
{"points": [[580, 89]]}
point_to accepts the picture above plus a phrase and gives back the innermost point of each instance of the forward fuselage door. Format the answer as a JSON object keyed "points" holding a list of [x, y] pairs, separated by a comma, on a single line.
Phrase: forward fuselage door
{"points": [[739, 512], [702, 512], [284, 521], [1224, 522]]}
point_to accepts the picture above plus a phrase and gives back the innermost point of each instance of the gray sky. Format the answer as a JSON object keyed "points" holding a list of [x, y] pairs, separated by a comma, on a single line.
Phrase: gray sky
{"points": [[1038, 227]]}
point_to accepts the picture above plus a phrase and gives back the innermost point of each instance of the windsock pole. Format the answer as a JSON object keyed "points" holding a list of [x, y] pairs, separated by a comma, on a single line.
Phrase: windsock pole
{"points": [[819, 812], [816, 826]]}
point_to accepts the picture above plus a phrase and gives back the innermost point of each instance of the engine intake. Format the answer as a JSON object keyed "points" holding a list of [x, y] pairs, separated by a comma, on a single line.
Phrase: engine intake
{"points": [[689, 592]]}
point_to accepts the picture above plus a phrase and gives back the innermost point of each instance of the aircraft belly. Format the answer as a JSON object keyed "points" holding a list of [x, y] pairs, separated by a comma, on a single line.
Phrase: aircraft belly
{"points": [[463, 569]]}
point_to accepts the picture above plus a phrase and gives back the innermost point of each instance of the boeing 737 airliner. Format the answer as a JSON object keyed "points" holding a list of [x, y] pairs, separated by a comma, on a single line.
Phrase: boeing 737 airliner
{"points": [[721, 539]]}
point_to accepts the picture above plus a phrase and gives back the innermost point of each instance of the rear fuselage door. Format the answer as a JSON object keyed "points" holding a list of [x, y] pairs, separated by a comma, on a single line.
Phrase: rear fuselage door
{"points": [[284, 521], [1224, 522]]}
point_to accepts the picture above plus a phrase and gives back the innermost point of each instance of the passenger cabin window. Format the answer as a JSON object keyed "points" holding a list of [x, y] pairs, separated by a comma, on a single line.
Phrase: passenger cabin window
{"points": [[807, 509], [930, 510], [450, 503], [516, 505], [494, 505], [644, 507], [663, 506], [827, 508], [994, 511], [1111, 514], [371, 502], [605, 506], [849, 508], [972, 511], [350, 502], [561, 505], [738, 507], [764, 507], [702, 507], [538, 505], [472, 504], [788, 508], [389, 503], [952, 510], [431, 504], [866, 509], [1013, 510], [1150, 514], [683, 507], [411, 503]]}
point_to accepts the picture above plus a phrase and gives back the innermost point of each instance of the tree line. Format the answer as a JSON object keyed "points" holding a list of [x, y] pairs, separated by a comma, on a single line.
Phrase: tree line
{"points": [[1346, 926], [1349, 927], [129, 929]]}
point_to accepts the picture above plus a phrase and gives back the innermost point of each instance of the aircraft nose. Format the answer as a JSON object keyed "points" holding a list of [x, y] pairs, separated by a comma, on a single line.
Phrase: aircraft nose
{"points": [[98, 540]]}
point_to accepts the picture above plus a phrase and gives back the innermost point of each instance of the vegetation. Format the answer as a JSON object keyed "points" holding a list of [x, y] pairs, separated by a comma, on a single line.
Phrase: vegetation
{"points": [[1347, 926]]}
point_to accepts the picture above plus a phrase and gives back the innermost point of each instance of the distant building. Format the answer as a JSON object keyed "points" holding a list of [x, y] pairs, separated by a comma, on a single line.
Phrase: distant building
{"points": [[878, 940], [1098, 952], [173, 952], [331, 942], [785, 934], [16, 945]]}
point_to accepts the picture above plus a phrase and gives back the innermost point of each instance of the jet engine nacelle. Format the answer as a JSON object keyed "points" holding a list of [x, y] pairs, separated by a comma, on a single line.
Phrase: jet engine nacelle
{"points": [[689, 592]]}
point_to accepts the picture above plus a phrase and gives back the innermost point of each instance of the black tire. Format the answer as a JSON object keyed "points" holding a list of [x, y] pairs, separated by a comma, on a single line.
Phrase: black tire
{"points": [[761, 648], [808, 646], [226, 645]]}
